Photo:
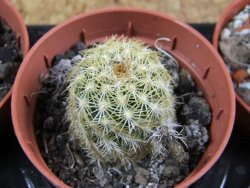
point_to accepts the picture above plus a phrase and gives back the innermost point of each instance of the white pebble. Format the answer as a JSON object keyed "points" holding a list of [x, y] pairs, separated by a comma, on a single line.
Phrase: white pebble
{"points": [[247, 7], [63, 64], [242, 16], [225, 33], [239, 16], [243, 32], [237, 24], [76, 58], [152, 185], [245, 85], [245, 16]]}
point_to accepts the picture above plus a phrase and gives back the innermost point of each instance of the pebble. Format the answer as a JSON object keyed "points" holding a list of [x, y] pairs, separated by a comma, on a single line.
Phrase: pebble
{"points": [[116, 185], [186, 82], [245, 25], [161, 159], [243, 32], [63, 64], [142, 176], [177, 151], [129, 179], [245, 85], [241, 16], [5, 70], [70, 54], [225, 33], [76, 59], [245, 16], [240, 75], [58, 58], [241, 20], [171, 171], [196, 109], [196, 135], [235, 51], [4, 89], [152, 185], [60, 141], [237, 24], [100, 176], [79, 46]]}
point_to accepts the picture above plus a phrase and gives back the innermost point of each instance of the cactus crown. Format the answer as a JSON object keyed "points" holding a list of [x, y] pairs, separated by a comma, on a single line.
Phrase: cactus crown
{"points": [[118, 97]]}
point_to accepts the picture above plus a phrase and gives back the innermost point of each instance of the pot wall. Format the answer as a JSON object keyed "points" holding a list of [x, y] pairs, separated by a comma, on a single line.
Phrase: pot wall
{"points": [[187, 45]]}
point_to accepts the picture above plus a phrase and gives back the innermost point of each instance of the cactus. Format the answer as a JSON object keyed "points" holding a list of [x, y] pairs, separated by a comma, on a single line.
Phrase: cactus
{"points": [[120, 101]]}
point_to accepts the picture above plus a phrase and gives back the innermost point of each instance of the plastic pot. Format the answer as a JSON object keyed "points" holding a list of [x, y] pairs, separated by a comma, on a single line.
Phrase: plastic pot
{"points": [[242, 108], [11, 17], [191, 49]]}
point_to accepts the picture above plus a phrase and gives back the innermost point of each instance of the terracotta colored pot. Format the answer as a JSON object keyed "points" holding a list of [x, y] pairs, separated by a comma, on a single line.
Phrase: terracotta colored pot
{"points": [[191, 49], [11, 17], [242, 108]]}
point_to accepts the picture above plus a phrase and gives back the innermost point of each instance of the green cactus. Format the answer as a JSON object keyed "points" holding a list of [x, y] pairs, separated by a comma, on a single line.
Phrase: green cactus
{"points": [[120, 101]]}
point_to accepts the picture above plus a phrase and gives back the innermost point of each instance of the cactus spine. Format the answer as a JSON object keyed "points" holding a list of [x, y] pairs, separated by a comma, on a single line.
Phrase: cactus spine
{"points": [[119, 100]]}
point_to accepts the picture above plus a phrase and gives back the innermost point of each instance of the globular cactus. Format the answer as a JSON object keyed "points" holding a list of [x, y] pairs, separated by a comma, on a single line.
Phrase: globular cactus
{"points": [[120, 97]]}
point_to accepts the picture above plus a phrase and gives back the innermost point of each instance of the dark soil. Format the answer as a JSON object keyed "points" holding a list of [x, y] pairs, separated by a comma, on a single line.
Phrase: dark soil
{"points": [[70, 163], [10, 58]]}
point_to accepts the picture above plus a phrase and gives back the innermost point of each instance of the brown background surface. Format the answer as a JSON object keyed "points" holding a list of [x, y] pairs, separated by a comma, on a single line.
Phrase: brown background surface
{"points": [[55, 11]]}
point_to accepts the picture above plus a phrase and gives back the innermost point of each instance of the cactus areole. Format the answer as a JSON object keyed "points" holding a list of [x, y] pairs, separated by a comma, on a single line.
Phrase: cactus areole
{"points": [[120, 101]]}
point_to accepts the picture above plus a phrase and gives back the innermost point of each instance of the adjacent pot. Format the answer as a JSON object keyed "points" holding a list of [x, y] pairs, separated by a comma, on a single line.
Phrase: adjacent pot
{"points": [[11, 17], [242, 108], [191, 49]]}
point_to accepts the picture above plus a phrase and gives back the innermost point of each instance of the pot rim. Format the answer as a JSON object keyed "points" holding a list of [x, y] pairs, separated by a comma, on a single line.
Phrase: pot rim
{"points": [[187, 181]]}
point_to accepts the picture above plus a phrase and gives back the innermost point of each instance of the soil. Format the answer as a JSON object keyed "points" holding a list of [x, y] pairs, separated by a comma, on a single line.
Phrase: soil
{"points": [[10, 58], [234, 45], [70, 162]]}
